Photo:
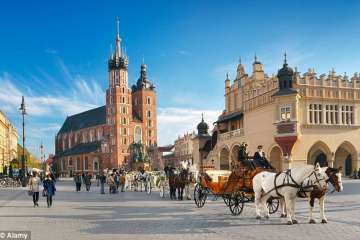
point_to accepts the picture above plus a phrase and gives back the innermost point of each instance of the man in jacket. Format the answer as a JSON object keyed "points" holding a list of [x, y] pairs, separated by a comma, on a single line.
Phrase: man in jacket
{"points": [[77, 180], [260, 159]]}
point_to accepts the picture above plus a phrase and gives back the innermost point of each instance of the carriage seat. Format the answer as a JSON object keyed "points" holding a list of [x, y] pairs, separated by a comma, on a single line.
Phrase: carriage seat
{"points": [[215, 175]]}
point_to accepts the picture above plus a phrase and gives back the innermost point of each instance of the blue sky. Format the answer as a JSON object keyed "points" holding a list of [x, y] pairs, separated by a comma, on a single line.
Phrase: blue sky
{"points": [[55, 53]]}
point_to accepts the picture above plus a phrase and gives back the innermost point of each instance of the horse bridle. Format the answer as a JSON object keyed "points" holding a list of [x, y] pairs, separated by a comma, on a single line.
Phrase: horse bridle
{"points": [[301, 187], [317, 179], [333, 179]]}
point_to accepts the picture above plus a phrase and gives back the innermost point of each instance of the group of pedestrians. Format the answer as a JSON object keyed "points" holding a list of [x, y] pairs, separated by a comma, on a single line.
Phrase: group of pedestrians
{"points": [[48, 191], [114, 179], [356, 174], [82, 178]]}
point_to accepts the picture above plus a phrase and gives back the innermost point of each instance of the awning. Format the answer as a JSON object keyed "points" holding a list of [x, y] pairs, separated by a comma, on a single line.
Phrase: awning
{"points": [[231, 116]]}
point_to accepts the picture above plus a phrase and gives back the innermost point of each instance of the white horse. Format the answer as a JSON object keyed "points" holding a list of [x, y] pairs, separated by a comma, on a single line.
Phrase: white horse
{"points": [[333, 175], [286, 185]]}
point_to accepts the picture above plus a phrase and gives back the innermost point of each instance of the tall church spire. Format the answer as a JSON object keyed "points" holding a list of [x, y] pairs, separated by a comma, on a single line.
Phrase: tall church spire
{"points": [[118, 40]]}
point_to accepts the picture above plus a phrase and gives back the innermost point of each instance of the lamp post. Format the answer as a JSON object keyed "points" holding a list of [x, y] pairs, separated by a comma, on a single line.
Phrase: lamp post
{"points": [[42, 157], [23, 163]]}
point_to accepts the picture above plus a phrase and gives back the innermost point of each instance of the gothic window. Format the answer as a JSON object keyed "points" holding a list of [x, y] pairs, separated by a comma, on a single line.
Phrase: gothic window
{"points": [[149, 123], [86, 162], [124, 131], [78, 164], [149, 113], [123, 99], [123, 110], [148, 100], [149, 133], [137, 134]]}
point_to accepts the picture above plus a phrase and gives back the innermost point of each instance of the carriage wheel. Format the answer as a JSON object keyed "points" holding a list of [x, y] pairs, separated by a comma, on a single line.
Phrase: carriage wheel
{"points": [[200, 196], [148, 188], [236, 204], [273, 205], [226, 199]]}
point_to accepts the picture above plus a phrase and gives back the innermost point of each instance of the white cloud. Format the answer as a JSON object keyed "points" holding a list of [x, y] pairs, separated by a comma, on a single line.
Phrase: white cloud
{"points": [[173, 122], [83, 97]]}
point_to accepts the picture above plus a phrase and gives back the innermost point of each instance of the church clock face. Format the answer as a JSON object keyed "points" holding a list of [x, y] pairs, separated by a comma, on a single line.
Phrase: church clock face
{"points": [[137, 134]]}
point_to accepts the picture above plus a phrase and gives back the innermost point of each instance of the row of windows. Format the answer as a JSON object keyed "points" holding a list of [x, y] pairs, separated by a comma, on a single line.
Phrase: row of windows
{"points": [[148, 101], [333, 93], [84, 137], [85, 164], [331, 114]]}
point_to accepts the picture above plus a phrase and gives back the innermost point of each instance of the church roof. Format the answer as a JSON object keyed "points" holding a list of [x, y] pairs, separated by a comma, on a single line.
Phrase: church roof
{"points": [[90, 118], [82, 148]]}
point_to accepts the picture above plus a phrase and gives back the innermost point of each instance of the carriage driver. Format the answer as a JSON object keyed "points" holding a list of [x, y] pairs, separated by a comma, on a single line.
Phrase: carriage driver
{"points": [[260, 159], [243, 157]]}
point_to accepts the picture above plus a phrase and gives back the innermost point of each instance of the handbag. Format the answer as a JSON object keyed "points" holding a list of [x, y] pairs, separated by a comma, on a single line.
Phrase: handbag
{"points": [[44, 193], [30, 192]]}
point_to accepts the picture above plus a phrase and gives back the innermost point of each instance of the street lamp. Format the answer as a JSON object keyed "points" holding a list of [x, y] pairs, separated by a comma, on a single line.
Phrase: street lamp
{"points": [[42, 157], [23, 163]]}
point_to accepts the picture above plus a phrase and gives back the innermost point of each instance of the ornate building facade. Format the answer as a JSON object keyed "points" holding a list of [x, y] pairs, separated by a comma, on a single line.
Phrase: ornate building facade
{"points": [[8, 142], [297, 118], [184, 147], [121, 133]]}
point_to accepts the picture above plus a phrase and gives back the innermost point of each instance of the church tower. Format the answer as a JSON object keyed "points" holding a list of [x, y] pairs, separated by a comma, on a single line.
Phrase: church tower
{"points": [[144, 109], [118, 105]]}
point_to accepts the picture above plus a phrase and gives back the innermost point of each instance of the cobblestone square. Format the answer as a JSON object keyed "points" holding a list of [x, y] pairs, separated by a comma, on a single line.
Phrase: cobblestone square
{"points": [[135, 215]]}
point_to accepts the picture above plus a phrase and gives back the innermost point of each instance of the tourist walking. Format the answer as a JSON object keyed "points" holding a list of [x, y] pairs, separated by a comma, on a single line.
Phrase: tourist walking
{"points": [[34, 185], [87, 181], [122, 182], [49, 189], [117, 180], [77, 180], [102, 180], [111, 183]]}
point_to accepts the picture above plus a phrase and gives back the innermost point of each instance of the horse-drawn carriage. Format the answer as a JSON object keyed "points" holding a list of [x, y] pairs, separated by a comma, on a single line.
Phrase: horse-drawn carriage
{"points": [[235, 188]]}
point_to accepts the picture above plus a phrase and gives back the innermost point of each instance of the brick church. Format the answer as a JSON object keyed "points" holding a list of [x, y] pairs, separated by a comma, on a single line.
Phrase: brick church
{"points": [[123, 133]]}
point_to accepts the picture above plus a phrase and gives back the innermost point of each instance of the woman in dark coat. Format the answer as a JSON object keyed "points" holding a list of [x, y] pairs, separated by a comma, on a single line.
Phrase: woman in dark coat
{"points": [[49, 189]]}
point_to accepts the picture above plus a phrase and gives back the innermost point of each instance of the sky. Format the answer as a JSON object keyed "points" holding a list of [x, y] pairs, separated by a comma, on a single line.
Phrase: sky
{"points": [[55, 53]]}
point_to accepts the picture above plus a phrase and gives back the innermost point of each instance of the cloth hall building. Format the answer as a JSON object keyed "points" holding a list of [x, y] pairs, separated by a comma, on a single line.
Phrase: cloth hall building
{"points": [[297, 119], [119, 134]]}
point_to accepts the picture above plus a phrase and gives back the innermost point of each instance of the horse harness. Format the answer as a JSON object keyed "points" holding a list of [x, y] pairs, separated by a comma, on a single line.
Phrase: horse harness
{"points": [[289, 181]]}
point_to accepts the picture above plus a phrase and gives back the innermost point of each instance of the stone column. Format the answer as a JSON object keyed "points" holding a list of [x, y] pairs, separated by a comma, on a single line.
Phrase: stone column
{"points": [[332, 159]]}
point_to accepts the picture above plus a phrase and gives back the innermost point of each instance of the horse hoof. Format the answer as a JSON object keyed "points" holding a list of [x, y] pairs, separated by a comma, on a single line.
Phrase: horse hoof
{"points": [[294, 221], [267, 217], [289, 223], [312, 221], [258, 217], [283, 215], [324, 221]]}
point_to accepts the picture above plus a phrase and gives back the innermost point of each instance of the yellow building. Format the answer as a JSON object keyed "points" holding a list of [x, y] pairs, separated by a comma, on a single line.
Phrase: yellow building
{"points": [[297, 118], [8, 142]]}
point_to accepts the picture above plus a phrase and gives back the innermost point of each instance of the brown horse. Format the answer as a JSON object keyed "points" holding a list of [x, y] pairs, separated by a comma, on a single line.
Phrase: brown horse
{"points": [[178, 182]]}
